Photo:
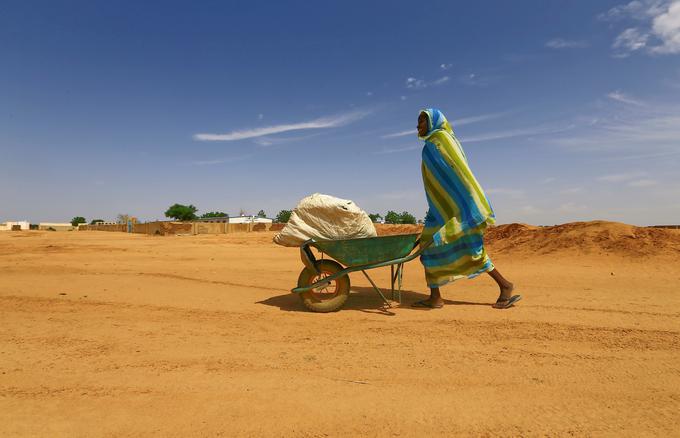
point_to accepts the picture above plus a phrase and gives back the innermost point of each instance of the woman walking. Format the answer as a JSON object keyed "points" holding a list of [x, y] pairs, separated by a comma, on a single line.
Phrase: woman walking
{"points": [[458, 214]]}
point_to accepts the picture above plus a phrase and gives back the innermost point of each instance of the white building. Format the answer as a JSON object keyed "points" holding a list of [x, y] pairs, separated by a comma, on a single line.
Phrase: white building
{"points": [[7, 226], [249, 220]]}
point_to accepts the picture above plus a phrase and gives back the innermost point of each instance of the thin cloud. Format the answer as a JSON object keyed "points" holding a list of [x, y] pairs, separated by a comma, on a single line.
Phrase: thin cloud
{"points": [[400, 134], [571, 191], [643, 183], [445, 66], [269, 141], [394, 150], [525, 132], [620, 177], [649, 128], [641, 156], [456, 123], [620, 97], [220, 161], [418, 84], [321, 123], [561, 43], [441, 80], [511, 193]]}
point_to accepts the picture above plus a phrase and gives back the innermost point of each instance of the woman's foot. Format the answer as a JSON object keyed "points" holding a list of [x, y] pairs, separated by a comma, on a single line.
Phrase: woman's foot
{"points": [[506, 298]]}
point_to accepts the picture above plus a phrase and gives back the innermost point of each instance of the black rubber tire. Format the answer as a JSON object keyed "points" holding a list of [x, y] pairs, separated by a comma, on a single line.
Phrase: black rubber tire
{"points": [[325, 302]]}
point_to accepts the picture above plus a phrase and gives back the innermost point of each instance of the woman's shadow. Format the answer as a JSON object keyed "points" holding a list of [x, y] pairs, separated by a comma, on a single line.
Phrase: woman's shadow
{"points": [[364, 299]]}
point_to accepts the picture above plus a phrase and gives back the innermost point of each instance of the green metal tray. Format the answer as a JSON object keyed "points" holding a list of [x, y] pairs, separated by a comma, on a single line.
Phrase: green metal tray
{"points": [[354, 252]]}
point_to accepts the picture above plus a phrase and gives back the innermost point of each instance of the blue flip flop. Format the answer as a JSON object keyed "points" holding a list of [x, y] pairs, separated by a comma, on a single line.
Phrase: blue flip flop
{"points": [[507, 302]]}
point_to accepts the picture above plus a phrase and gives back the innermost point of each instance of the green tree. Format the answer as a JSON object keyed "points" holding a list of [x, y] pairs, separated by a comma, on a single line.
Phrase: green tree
{"points": [[283, 216], [78, 220], [96, 221], [392, 217], [407, 218], [375, 217], [261, 213], [181, 212], [213, 214]]}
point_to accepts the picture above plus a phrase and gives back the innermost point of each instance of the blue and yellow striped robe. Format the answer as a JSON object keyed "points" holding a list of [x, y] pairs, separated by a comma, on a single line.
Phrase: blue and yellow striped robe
{"points": [[458, 208]]}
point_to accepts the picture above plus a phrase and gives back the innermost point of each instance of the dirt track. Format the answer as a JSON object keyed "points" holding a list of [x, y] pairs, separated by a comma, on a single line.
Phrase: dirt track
{"points": [[109, 334]]}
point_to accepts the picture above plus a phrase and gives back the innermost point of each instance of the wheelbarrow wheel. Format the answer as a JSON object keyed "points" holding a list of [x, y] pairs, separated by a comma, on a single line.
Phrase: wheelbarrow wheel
{"points": [[329, 297]]}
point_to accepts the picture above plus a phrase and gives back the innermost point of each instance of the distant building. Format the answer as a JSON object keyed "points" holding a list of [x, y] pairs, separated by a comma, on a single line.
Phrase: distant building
{"points": [[9, 226], [249, 220], [218, 219], [56, 226], [98, 223]]}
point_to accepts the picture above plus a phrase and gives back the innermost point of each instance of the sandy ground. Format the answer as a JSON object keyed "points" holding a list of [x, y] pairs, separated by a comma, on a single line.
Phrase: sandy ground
{"points": [[109, 334]]}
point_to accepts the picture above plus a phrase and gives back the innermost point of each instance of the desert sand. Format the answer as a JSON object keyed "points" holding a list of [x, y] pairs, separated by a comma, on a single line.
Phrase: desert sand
{"points": [[112, 334]]}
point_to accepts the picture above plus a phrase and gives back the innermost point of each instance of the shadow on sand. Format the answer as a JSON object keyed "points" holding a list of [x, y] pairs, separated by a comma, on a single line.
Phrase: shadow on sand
{"points": [[364, 299]]}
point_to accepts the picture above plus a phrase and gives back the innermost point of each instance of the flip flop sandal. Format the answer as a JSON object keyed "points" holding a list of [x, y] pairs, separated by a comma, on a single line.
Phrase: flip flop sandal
{"points": [[507, 302], [425, 304]]}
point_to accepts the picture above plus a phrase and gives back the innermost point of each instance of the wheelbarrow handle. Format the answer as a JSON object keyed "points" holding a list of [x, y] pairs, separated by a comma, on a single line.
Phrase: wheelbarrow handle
{"points": [[423, 247]]}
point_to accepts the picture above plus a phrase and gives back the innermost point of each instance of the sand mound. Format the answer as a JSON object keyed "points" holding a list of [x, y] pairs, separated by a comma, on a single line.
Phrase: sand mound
{"points": [[584, 237]]}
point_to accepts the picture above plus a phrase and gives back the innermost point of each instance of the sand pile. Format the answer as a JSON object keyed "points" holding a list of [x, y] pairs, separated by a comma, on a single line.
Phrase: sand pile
{"points": [[584, 237]]}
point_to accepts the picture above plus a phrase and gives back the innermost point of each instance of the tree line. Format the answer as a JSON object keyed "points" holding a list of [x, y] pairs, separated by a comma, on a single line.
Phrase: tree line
{"points": [[180, 212]]}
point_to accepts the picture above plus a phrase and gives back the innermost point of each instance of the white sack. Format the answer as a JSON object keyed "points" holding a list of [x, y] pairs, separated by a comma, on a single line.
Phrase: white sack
{"points": [[325, 217]]}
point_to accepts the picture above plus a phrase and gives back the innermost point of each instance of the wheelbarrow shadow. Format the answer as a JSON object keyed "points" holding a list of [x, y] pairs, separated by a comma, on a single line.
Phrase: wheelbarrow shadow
{"points": [[364, 299]]}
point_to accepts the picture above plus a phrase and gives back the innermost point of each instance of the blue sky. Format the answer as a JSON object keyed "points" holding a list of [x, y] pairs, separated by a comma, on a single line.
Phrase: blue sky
{"points": [[567, 110]]}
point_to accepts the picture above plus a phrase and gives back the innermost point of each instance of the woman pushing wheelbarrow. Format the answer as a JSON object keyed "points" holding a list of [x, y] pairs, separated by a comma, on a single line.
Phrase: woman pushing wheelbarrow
{"points": [[458, 214]]}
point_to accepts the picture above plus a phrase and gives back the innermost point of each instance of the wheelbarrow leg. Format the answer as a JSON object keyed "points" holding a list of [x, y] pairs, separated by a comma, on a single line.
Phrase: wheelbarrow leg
{"points": [[377, 289], [395, 277], [400, 271], [392, 280]]}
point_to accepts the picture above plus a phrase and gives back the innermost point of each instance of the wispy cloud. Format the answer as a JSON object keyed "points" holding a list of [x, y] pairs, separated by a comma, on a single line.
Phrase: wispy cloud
{"points": [[571, 190], [477, 79], [649, 128], [220, 160], [269, 141], [620, 97], [445, 66], [504, 191], [643, 183], [457, 122], [522, 132], [561, 43], [641, 156], [441, 80], [418, 84], [658, 31], [620, 177], [400, 133], [399, 149], [321, 123]]}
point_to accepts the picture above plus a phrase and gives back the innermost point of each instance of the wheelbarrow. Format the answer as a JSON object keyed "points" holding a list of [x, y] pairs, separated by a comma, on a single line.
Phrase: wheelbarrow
{"points": [[324, 286]]}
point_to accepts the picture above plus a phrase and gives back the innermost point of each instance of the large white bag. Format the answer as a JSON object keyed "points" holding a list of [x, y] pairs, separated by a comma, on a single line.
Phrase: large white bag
{"points": [[326, 218]]}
